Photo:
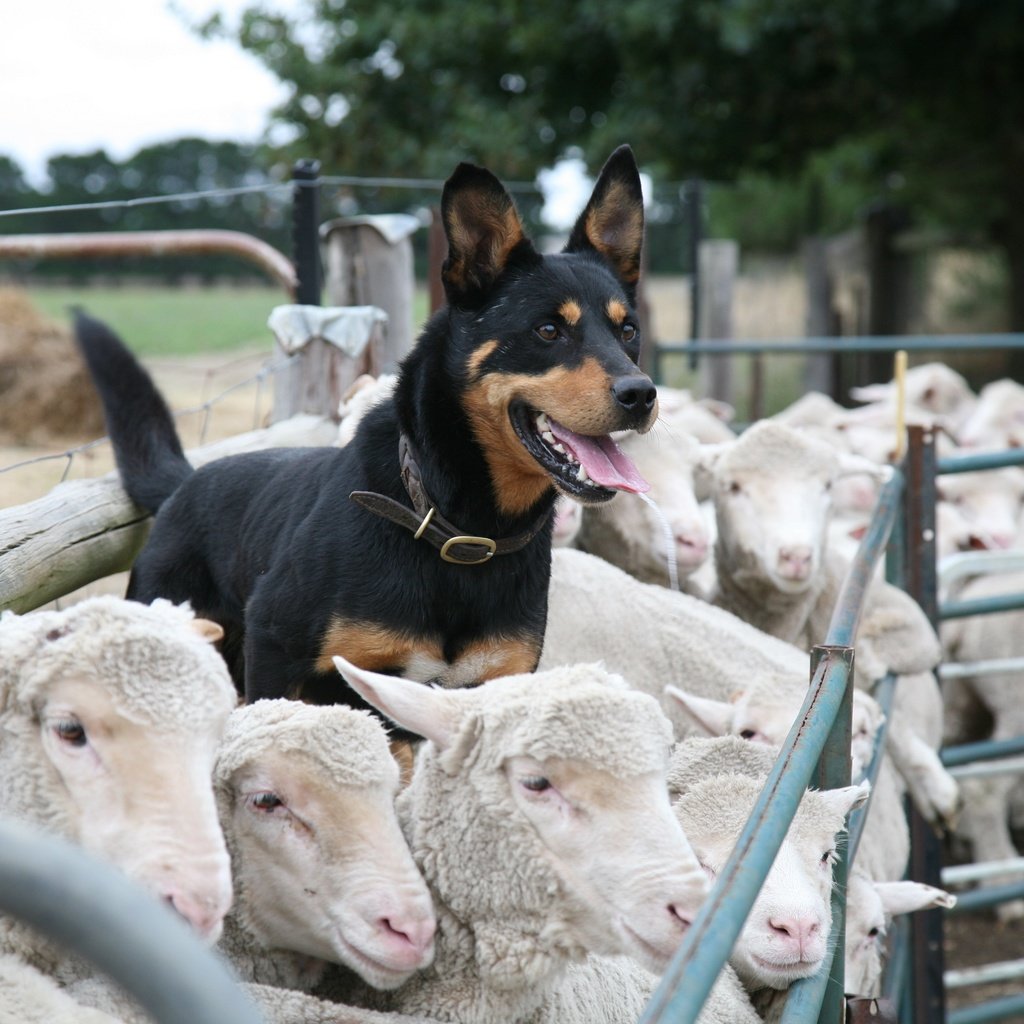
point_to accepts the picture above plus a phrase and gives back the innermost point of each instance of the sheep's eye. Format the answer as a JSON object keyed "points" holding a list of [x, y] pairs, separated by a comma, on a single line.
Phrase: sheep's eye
{"points": [[828, 857], [874, 933], [71, 732], [536, 783], [547, 332], [747, 734], [629, 332], [266, 801], [828, 486], [734, 488]]}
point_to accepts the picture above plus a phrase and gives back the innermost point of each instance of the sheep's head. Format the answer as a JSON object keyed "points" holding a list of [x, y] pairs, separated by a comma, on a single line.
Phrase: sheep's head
{"points": [[989, 505], [306, 795], [119, 708], [772, 491], [549, 826], [870, 908], [764, 712], [786, 933]]}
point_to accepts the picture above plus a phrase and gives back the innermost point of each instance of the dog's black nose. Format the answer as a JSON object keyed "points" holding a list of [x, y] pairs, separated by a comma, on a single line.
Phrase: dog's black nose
{"points": [[636, 393]]}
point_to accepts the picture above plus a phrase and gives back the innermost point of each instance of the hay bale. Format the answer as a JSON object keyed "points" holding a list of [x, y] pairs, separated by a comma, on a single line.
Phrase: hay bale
{"points": [[45, 390]]}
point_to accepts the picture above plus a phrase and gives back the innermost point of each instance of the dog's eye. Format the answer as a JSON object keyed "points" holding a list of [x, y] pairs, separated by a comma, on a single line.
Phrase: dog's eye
{"points": [[629, 332], [547, 332]]}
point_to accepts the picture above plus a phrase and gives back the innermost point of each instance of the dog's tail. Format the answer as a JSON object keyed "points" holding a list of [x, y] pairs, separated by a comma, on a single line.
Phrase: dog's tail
{"points": [[146, 445]]}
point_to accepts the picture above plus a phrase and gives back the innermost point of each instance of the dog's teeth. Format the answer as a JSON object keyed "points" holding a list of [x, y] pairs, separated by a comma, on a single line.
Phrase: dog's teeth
{"points": [[542, 422], [582, 475], [569, 455], [549, 437], [559, 447]]}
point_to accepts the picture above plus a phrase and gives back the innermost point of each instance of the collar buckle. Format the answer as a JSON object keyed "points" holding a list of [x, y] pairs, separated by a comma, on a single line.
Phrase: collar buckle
{"points": [[485, 542]]}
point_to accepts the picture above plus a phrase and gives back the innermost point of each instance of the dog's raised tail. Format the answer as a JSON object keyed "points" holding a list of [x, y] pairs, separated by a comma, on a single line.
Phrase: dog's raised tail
{"points": [[149, 455]]}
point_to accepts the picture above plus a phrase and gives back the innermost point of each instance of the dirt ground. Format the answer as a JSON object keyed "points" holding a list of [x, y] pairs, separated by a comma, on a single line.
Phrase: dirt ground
{"points": [[975, 939]]}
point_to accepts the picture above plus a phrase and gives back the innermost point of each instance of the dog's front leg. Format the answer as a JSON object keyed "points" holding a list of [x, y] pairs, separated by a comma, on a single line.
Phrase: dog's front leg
{"points": [[268, 668]]}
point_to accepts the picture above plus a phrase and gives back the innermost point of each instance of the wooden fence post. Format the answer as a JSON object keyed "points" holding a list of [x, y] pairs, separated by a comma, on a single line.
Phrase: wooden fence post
{"points": [[370, 263], [718, 263]]}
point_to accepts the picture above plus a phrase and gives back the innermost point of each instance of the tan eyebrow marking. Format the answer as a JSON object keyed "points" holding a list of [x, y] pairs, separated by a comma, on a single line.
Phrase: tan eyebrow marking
{"points": [[570, 312], [617, 311]]}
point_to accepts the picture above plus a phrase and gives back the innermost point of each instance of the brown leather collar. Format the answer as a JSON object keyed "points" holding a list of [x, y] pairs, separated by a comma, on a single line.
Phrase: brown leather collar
{"points": [[426, 523]]}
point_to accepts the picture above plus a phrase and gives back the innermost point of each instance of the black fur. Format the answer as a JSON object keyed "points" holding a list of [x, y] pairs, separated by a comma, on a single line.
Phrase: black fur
{"points": [[269, 544]]}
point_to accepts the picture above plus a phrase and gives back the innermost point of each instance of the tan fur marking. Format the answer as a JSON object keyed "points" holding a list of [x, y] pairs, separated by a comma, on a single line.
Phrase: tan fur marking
{"points": [[405, 755], [616, 311], [580, 399], [503, 656], [371, 646], [477, 358], [570, 312], [615, 231]]}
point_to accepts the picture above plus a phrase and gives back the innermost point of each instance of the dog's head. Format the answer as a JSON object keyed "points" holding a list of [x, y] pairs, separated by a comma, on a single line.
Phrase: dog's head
{"points": [[548, 345]]}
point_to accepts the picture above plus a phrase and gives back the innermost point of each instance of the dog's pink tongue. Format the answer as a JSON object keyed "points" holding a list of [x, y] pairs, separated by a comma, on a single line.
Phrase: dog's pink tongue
{"points": [[605, 462]]}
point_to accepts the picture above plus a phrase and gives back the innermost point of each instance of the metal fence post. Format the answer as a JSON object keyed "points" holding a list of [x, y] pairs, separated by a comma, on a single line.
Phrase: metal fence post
{"points": [[927, 951], [694, 198], [833, 772], [306, 231]]}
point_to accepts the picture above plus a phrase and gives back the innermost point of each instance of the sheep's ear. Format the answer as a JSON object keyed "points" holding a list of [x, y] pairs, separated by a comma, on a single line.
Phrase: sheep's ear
{"points": [[871, 392], [424, 710], [210, 631], [612, 223], [708, 456], [858, 465], [906, 897], [846, 799], [713, 717]]}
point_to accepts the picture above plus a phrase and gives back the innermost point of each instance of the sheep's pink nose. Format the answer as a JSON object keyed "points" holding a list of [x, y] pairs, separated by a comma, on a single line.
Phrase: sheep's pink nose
{"points": [[679, 917], [795, 562], [204, 915], [796, 931], [691, 545], [415, 932]]}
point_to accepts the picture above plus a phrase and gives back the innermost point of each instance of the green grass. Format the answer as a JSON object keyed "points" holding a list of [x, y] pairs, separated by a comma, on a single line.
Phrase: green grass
{"points": [[156, 320], [167, 321]]}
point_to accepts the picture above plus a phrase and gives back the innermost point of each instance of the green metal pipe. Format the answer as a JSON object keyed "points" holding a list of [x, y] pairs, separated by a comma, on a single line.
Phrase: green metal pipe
{"points": [[876, 343], [981, 606], [883, 693], [987, 896], [994, 1009], [981, 460], [985, 750]]}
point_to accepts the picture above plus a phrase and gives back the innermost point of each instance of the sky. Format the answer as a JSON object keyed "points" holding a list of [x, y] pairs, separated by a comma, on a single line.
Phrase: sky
{"points": [[79, 75]]}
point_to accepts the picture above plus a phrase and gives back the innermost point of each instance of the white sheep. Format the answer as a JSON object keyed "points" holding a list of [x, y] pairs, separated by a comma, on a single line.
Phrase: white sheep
{"points": [[321, 870], [361, 396], [771, 492], [985, 819], [786, 933], [870, 908], [997, 421], [646, 541], [539, 815], [111, 712], [990, 502], [762, 713], [706, 419], [933, 392], [653, 636], [27, 996]]}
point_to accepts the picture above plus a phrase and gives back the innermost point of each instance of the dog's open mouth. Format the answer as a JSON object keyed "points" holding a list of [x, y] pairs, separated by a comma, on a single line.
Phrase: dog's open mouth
{"points": [[590, 469]]}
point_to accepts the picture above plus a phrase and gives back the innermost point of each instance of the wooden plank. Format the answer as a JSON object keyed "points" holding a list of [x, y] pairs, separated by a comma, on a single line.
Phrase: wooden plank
{"points": [[84, 530]]}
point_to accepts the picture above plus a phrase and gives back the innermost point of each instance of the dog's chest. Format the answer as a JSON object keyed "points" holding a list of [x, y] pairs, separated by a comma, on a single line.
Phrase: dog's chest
{"points": [[377, 647]]}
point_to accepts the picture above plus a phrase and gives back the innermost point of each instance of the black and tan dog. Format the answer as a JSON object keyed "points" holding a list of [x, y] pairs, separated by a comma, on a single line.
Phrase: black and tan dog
{"points": [[424, 546]]}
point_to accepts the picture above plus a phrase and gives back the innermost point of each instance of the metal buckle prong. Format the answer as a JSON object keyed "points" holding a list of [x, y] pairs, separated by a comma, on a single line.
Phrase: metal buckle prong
{"points": [[424, 524]]}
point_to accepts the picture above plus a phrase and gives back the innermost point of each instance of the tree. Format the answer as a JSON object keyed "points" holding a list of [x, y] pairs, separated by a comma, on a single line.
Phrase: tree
{"points": [[931, 90]]}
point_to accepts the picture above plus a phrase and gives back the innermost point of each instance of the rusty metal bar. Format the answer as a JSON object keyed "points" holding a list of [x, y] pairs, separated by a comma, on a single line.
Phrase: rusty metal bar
{"points": [[193, 242]]}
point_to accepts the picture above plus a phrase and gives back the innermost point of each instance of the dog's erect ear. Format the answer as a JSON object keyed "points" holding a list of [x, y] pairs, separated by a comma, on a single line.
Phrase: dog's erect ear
{"points": [[613, 221], [483, 227]]}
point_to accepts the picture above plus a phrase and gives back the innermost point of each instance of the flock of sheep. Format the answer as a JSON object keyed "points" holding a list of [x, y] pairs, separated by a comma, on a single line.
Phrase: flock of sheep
{"points": [[559, 830]]}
